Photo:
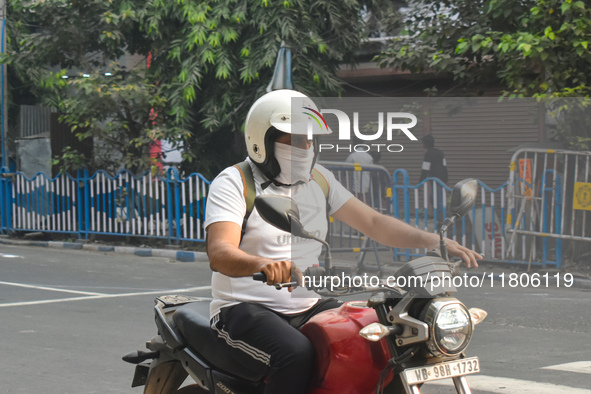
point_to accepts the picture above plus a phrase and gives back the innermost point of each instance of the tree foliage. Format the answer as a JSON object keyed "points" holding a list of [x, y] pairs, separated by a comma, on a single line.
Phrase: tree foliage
{"points": [[215, 58], [531, 47], [208, 60], [117, 110], [528, 48], [60, 52]]}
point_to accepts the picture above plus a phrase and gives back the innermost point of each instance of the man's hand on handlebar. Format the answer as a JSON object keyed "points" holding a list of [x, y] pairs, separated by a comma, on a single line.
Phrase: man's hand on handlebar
{"points": [[468, 256], [282, 272]]}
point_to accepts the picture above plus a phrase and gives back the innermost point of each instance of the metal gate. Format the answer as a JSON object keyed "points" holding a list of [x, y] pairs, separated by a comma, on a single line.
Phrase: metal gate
{"points": [[425, 206], [549, 199], [372, 184]]}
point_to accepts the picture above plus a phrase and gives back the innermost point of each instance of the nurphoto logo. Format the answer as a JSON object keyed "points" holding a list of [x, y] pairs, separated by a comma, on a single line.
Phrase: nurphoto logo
{"points": [[389, 125], [316, 118]]}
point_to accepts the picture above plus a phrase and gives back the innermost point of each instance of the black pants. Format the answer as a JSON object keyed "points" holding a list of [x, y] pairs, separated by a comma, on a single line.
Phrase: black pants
{"points": [[267, 343]]}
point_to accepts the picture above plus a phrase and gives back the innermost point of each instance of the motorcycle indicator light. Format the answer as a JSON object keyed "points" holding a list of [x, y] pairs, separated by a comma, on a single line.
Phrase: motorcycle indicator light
{"points": [[374, 332], [450, 327], [477, 315]]}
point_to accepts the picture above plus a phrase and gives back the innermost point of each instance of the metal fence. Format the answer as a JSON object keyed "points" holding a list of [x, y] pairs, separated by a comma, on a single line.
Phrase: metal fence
{"points": [[525, 220], [165, 207], [546, 200], [425, 205], [549, 199], [146, 206], [372, 184]]}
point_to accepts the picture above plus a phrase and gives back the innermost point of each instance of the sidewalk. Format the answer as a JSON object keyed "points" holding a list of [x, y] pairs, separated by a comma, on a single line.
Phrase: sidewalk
{"points": [[493, 271]]}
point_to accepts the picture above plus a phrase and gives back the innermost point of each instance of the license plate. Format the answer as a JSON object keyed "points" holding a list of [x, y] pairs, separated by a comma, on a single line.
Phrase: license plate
{"points": [[449, 369]]}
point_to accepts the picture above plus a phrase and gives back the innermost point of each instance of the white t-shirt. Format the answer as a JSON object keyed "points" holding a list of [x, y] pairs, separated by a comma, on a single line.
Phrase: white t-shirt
{"points": [[225, 203]]}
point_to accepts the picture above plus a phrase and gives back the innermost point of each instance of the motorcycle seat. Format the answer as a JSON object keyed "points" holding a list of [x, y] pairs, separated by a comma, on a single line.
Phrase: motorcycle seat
{"points": [[202, 339]]}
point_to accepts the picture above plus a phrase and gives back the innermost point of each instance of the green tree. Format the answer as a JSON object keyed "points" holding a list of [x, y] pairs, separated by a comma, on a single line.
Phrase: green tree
{"points": [[61, 52], [117, 110], [208, 60], [214, 58], [528, 48]]}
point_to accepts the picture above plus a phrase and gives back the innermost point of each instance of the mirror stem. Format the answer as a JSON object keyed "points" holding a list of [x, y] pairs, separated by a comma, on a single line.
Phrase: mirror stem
{"points": [[442, 246], [328, 257], [447, 223]]}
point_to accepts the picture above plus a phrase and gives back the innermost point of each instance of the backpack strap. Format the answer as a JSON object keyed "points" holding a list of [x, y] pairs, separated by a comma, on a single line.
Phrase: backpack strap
{"points": [[321, 181], [248, 183], [249, 191]]}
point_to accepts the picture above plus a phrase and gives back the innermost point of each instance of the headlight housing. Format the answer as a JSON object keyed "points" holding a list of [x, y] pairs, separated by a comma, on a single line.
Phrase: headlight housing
{"points": [[450, 326]]}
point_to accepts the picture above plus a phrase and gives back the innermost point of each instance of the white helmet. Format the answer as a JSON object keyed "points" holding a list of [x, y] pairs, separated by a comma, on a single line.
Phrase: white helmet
{"points": [[279, 110]]}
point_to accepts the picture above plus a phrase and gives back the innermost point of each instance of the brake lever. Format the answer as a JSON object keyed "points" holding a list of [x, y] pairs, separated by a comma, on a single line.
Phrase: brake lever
{"points": [[280, 286], [455, 267]]}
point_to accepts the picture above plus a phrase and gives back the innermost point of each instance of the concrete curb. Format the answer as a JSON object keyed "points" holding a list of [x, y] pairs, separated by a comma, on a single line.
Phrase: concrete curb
{"points": [[177, 255]]}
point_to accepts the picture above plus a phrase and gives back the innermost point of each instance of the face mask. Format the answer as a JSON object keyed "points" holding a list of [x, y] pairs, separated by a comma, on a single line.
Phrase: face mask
{"points": [[295, 163]]}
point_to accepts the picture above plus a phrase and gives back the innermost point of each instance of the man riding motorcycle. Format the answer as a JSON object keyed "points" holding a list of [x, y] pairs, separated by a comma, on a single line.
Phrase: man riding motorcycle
{"points": [[258, 324]]}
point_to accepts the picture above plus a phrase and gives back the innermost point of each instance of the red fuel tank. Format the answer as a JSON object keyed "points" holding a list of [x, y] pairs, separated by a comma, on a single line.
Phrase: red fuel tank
{"points": [[346, 363]]}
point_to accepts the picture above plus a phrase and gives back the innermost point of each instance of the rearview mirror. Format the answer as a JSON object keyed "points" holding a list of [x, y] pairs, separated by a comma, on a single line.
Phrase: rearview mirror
{"points": [[463, 196], [281, 212]]}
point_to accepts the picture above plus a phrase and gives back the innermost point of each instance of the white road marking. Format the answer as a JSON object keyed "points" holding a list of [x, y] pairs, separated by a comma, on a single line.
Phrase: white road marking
{"points": [[48, 288], [578, 366], [104, 296], [11, 256], [494, 384]]}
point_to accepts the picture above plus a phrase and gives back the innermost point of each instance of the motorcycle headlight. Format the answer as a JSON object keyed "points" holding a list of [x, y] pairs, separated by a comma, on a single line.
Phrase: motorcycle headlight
{"points": [[449, 325]]}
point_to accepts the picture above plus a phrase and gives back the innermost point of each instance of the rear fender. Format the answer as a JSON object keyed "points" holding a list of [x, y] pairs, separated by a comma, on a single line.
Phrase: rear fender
{"points": [[165, 377]]}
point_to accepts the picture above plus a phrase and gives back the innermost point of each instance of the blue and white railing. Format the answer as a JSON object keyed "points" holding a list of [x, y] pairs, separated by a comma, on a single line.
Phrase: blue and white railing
{"points": [[488, 228], [164, 207], [503, 225]]}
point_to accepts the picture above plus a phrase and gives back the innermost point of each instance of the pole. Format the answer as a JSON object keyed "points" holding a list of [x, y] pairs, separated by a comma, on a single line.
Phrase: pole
{"points": [[282, 76], [3, 106], [4, 182]]}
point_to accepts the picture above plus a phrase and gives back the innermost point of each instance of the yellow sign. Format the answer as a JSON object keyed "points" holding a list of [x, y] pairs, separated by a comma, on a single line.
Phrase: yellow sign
{"points": [[525, 174], [582, 198]]}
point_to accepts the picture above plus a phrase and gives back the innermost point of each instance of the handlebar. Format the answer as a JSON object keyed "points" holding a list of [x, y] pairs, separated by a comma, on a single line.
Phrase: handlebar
{"points": [[259, 276], [310, 272]]}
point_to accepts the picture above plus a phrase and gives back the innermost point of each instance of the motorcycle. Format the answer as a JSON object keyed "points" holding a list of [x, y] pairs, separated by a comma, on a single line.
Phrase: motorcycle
{"points": [[405, 335]]}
